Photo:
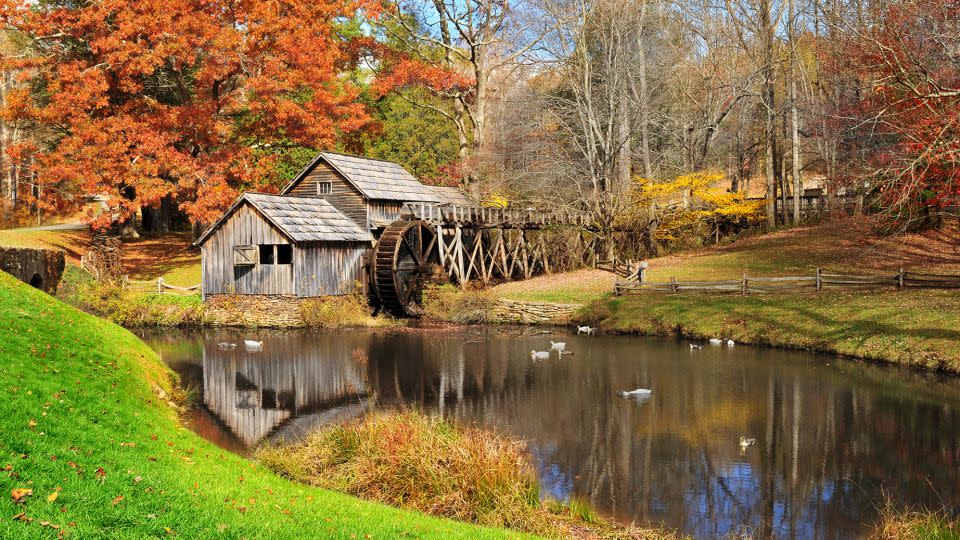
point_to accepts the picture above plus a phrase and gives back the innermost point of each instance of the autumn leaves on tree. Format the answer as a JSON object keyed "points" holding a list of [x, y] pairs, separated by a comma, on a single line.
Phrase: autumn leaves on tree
{"points": [[178, 99]]}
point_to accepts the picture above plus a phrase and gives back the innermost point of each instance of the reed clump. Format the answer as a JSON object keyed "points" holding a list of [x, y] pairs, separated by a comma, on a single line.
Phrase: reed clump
{"points": [[462, 306], [350, 310], [412, 460], [916, 525]]}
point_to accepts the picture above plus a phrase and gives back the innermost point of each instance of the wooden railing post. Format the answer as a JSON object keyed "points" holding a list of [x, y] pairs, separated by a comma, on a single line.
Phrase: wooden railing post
{"points": [[819, 280], [900, 278], [743, 285], [160, 285], [673, 285]]}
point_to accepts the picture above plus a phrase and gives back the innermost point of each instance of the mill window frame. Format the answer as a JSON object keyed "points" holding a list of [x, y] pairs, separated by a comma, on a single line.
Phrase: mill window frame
{"points": [[324, 187], [275, 254]]}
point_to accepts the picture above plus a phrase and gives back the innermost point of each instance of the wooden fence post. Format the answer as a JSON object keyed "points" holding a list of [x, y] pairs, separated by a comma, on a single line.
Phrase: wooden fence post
{"points": [[900, 278], [819, 281], [160, 285], [743, 285], [673, 285]]}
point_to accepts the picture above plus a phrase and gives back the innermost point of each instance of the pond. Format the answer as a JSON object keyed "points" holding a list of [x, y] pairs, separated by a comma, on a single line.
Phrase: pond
{"points": [[833, 440]]}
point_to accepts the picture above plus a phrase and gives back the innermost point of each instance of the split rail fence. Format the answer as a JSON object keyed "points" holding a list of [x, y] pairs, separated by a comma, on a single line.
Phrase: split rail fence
{"points": [[159, 286], [819, 281]]}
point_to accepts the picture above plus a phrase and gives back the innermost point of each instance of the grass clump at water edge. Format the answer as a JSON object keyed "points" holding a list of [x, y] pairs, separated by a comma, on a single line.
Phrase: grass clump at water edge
{"points": [[351, 310], [412, 460], [462, 306], [916, 525]]}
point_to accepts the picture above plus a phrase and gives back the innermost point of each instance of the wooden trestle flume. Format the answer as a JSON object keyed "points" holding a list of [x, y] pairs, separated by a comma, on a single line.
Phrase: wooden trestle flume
{"points": [[469, 243]]}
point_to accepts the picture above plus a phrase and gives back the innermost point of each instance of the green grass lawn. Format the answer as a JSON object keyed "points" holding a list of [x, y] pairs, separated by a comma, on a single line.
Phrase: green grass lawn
{"points": [[856, 246], [87, 428], [915, 328]]}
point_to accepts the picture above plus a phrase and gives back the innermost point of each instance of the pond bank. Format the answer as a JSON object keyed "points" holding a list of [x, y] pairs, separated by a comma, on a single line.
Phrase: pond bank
{"points": [[918, 329], [915, 328], [91, 448]]}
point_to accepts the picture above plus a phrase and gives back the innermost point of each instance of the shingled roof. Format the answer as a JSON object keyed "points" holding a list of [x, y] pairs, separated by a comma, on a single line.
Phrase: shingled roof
{"points": [[373, 178], [301, 219], [452, 195]]}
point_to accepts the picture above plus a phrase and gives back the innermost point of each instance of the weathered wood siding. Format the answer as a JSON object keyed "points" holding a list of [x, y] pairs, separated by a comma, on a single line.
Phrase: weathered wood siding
{"points": [[329, 268], [245, 227], [384, 212], [343, 195]]}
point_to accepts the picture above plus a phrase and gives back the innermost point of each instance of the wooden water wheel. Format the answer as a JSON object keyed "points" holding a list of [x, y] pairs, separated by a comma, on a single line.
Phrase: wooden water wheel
{"points": [[400, 263]]}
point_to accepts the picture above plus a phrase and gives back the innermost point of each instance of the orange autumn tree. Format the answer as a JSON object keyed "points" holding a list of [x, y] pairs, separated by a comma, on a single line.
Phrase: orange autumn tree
{"points": [[182, 100]]}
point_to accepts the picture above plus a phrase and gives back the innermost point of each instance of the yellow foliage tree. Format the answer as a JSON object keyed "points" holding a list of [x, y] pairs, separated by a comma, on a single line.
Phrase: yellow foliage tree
{"points": [[690, 203]]}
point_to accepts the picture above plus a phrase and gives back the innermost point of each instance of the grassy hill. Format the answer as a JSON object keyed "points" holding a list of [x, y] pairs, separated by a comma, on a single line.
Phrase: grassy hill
{"points": [[920, 328], [89, 431], [149, 257], [858, 246]]}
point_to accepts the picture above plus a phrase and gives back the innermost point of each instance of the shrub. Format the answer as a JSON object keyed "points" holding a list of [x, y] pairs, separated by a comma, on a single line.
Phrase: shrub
{"points": [[341, 311], [127, 307], [450, 303]]}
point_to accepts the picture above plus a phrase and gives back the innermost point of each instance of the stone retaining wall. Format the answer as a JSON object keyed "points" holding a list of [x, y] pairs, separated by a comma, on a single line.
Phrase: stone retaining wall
{"points": [[41, 268], [516, 311], [264, 310]]}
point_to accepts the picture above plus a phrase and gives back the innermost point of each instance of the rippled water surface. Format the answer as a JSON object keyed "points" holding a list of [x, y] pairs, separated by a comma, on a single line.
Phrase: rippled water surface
{"points": [[833, 439]]}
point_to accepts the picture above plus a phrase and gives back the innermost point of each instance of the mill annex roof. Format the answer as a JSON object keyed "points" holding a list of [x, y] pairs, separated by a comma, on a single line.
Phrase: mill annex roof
{"points": [[301, 219], [373, 178], [452, 195]]}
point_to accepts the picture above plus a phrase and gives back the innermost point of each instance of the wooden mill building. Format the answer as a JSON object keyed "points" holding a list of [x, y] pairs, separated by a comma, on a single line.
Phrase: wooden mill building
{"points": [[312, 238]]}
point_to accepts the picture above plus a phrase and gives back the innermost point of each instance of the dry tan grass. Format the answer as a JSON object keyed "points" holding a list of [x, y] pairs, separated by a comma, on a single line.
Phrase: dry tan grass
{"points": [[578, 287], [412, 460]]}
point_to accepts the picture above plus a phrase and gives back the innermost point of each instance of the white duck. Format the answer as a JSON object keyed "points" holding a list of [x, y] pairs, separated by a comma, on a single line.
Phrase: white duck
{"points": [[539, 355], [715, 341], [585, 330], [638, 393], [253, 345], [558, 346], [730, 343], [694, 346]]}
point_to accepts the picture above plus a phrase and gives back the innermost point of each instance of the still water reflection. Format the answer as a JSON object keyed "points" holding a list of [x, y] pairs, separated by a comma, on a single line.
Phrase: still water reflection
{"points": [[834, 439]]}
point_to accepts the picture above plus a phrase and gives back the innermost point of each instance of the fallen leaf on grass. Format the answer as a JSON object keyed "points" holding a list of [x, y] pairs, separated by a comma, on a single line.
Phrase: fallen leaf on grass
{"points": [[101, 473], [22, 517], [53, 496], [117, 499], [19, 494]]}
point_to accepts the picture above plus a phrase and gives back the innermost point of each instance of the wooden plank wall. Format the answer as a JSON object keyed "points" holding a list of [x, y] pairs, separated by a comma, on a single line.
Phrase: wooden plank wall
{"points": [[384, 211], [329, 268], [245, 227], [344, 196]]}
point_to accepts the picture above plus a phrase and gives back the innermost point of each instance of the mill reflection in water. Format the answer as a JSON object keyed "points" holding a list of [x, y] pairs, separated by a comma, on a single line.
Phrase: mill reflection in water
{"points": [[833, 438]]}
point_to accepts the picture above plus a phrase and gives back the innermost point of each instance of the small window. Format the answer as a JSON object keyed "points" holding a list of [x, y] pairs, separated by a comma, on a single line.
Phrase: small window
{"points": [[324, 188], [244, 255], [284, 254], [266, 253]]}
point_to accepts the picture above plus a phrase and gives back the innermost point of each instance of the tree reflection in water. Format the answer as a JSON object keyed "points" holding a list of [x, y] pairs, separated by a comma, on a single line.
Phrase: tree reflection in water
{"points": [[832, 441]]}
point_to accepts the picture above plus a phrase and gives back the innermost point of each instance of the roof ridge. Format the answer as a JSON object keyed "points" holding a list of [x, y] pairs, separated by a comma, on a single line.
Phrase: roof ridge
{"points": [[344, 154]]}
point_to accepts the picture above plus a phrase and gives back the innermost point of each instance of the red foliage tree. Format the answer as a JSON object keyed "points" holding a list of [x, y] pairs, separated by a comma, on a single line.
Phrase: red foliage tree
{"points": [[902, 114], [180, 98]]}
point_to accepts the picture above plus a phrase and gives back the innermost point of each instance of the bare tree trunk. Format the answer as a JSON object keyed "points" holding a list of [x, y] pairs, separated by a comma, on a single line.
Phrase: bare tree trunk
{"points": [[624, 159], [794, 115], [768, 102]]}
